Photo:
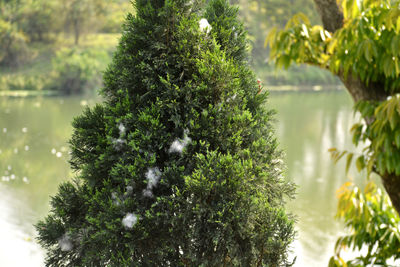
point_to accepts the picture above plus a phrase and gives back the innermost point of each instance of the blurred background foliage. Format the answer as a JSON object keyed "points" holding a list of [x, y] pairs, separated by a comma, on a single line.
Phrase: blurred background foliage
{"points": [[34, 34], [58, 45], [260, 17]]}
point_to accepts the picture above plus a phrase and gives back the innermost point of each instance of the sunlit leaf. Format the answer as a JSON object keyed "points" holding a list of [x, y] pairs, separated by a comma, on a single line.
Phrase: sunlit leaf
{"points": [[370, 188], [305, 31], [360, 163], [348, 161], [270, 37], [368, 51]]}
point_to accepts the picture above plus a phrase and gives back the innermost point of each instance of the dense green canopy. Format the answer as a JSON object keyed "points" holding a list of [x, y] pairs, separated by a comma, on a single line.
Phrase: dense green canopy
{"points": [[179, 166]]}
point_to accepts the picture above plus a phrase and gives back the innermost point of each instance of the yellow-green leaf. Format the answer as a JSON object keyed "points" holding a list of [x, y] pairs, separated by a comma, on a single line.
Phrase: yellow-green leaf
{"points": [[360, 163], [348, 161], [368, 51], [398, 25], [270, 37]]}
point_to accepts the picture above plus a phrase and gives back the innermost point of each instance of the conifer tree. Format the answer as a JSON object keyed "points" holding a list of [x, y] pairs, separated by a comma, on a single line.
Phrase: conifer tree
{"points": [[179, 165]]}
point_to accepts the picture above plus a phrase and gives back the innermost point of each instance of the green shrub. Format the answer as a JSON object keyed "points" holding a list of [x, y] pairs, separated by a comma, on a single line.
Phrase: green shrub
{"points": [[77, 69], [40, 20], [13, 45], [21, 82], [179, 166]]}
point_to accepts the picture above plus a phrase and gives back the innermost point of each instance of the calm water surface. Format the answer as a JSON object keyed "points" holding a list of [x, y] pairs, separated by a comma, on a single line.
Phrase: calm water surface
{"points": [[34, 154], [308, 125]]}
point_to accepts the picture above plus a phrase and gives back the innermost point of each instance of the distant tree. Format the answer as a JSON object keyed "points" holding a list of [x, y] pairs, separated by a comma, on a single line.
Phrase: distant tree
{"points": [[40, 20], [13, 45], [77, 70], [179, 166], [262, 15], [81, 15], [13, 42], [114, 15], [360, 44], [21, 23]]}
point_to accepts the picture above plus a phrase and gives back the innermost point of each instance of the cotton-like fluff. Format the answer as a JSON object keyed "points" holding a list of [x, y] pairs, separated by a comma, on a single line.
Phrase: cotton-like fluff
{"points": [[129, 190], [153, 177], [147, 193], [178, 145], [204, 25], [118, 143], [235, 34], [115, 199], [122, 129], [232, 98], [65, 243], [129, 220]]}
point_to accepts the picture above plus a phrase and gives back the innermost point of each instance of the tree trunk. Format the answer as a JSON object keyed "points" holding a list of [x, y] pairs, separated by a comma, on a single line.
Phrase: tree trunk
{"points": [[391, 182], [332, 19], [331, 15], [76, 31], [360, 91]]}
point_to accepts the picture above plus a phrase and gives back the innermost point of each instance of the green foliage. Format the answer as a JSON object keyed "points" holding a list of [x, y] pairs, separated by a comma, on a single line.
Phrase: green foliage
{"points": [[179, 165], [38, 20], [13, 48], [381, 154], [299, 42], [230, 33], [114, 16], [76, 70], [81, 14], [53, 22], [373, 224], [366, 46], [12, 82], [380, 137], [260, 17]]}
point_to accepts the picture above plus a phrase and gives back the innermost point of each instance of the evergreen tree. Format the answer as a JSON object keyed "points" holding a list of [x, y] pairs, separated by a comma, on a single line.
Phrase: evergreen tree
{"points": [[179, 166]]}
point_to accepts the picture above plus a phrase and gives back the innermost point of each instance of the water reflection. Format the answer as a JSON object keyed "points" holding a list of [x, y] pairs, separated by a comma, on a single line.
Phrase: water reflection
{"points": [[33, 150], [17, 248], [308, 125], [29, 172]]}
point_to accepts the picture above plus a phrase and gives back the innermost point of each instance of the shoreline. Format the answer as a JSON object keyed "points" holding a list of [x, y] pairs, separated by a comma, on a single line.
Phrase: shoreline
{"points": [[271, 89]]}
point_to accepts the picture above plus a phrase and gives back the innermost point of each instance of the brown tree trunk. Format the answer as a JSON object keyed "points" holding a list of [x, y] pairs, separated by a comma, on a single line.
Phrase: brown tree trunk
{"points": [[391, 182], [331, 15], [76, 31], [332, 19]]}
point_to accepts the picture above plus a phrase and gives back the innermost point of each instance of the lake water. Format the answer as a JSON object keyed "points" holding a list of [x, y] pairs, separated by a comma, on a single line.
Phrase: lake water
{"points": [[34, 154]]}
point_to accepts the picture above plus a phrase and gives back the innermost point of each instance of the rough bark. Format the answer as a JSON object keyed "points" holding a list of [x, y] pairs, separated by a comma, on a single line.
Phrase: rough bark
{"points": [[360, 91], [332, 19], [391, 182], [331, 15]]}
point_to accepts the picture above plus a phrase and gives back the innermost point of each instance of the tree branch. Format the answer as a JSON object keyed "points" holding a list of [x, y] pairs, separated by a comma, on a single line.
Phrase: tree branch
{"points": [[332, 20], [360, 91]]}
